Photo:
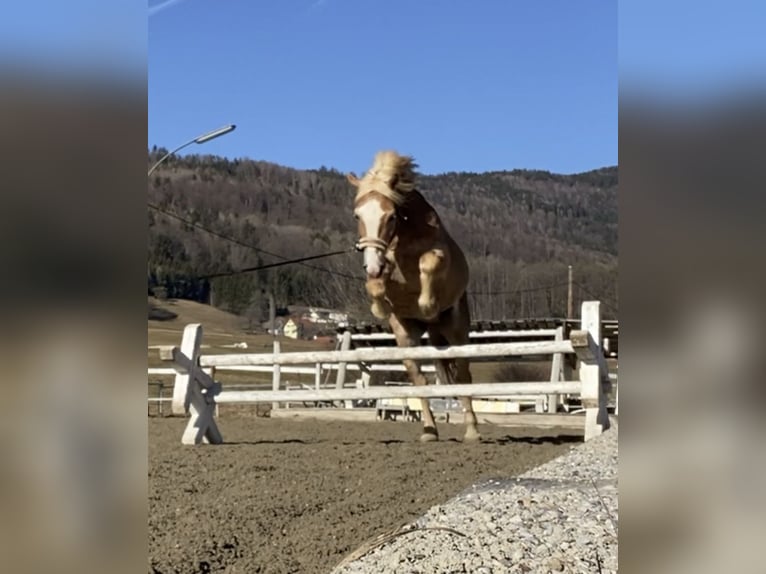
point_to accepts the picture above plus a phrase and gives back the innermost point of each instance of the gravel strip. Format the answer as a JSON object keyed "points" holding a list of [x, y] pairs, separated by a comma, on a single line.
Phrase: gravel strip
{"points": [[558, 517]]}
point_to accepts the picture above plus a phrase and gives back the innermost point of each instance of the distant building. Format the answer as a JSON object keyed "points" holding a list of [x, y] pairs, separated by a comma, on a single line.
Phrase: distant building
{"points": [[323, 316], [291, 329]]}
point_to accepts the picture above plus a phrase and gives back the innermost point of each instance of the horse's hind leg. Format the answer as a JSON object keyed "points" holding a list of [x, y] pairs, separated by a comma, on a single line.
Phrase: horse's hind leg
{"points": [[408, 334], [458, 371], [454, 327], [464, 377]]}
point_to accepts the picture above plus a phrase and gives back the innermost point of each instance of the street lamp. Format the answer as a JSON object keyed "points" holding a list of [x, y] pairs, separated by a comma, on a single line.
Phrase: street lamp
{"points": [[198, 140]]}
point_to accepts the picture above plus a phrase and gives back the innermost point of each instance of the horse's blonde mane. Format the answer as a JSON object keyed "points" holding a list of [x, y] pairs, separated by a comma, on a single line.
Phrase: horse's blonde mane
{"points": [[391, 175]]}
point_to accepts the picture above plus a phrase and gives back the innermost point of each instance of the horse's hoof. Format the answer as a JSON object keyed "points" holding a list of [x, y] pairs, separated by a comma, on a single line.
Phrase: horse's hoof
{"points": [[471, 435], [429, 435]]}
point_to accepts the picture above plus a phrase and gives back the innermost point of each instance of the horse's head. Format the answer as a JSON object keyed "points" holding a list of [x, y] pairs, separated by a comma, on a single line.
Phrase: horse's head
{"points": [[380, 193], [377, 218]]}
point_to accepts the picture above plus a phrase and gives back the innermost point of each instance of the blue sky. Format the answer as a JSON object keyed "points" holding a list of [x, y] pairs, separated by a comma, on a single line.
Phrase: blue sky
{"points": [[459, 84], [106, 38], [691, 52]]}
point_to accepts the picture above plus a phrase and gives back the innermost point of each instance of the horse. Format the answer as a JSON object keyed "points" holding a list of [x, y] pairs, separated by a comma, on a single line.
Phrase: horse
{"points": [[417, 274]]}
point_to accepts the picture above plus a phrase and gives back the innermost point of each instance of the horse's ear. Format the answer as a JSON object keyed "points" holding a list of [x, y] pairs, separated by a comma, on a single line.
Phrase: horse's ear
{"points": [[352, 179]]}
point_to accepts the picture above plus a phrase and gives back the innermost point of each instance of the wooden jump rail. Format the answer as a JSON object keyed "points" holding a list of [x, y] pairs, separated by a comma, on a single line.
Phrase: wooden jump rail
{"points": [[196, 392]]}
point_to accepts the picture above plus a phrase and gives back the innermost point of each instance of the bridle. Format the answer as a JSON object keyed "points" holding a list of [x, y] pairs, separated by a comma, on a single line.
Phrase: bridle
{"points": [[365, 242], [375, 242]]}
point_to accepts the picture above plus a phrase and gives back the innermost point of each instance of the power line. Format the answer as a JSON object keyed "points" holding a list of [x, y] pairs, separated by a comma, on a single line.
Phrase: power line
{"points": [[518, 291], [257, 249], [546, 288], [590, 293], [270, 265]]}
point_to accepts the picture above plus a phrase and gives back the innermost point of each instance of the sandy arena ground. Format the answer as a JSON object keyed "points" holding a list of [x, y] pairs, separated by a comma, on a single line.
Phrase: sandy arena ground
{"points": [[296, 496]]}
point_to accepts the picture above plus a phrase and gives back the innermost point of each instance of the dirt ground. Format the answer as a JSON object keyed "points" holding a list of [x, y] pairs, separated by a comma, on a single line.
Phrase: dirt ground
{"points": [[284, 496]]}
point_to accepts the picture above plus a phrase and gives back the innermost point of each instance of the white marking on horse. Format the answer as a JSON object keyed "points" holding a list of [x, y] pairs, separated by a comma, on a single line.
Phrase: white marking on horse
{"points": [[371, 215]]}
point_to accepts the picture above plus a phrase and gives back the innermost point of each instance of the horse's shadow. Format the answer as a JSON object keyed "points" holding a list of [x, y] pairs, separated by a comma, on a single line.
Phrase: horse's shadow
{"points": [[553, 439], [259, 442], [508, 439]]}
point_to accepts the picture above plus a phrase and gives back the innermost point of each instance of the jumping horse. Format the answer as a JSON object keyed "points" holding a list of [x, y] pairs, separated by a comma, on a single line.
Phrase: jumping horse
{"points": [[417, 274]]}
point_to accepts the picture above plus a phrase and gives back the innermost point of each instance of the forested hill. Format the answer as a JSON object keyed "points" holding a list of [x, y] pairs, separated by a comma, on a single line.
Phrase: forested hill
{"points": [[519, 228]]}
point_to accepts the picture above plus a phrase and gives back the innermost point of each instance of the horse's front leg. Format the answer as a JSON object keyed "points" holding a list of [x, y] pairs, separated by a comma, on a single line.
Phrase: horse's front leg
{"points": [[376, 289], [408, 334], [432, 264]]}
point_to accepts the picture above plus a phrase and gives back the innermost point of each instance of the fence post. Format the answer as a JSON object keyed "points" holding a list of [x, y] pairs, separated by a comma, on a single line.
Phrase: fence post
{"points": [[275, 377], [190, 343], [553, 399], [318, 376], [211, 373], [593, 373], [344, 346]]}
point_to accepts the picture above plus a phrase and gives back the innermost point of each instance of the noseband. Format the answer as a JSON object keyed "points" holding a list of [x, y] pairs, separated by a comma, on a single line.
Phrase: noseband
{"points": [[375, 242], [365, 242]]}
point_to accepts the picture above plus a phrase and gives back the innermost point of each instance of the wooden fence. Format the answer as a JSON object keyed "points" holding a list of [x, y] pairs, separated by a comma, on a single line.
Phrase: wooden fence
{"points": [[196, 392]]}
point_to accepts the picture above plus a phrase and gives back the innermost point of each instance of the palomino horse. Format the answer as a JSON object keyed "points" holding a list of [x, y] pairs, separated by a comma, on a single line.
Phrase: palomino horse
{"points": [[416, 273]]}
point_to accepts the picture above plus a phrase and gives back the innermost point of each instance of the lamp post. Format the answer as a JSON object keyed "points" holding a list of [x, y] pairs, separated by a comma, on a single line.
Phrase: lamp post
{"points": [[198, 140]]}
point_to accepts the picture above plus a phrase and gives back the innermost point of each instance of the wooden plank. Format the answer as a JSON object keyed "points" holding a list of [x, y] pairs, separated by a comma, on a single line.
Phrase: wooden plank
{"points": [[385, 392], [161, 371], [291, 370], [276, 374], [505, 332], [374, 354], [166, 351], [268, 369], [581, 343], [553, 399], [345, 345], [572, 423], [185, 357], [592, 369], [201, 427]]}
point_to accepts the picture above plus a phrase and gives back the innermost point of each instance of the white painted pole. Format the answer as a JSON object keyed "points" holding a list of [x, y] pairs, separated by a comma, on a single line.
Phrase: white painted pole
{"points": [[340, 378], [592, 371], [553, 399], [380, 354], [521, 333], [393, 392], [275, 377], [190, 342]]}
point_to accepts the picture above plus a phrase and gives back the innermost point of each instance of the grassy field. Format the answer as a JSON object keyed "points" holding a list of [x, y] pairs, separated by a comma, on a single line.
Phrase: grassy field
{"points": [[219, 330]]}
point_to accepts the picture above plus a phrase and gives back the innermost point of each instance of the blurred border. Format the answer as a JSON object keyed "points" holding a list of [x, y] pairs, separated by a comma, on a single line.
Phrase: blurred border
{"points": [[73, 248], [692, 127]]}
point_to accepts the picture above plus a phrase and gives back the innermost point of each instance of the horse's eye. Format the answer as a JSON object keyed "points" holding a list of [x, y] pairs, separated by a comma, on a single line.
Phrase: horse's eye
{"points": [[356, 216], [393, 217]]}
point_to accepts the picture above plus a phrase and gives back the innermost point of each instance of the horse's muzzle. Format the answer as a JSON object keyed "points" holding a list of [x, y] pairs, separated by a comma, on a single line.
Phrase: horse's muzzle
{"points": [[374, 262], [374, 274]]}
